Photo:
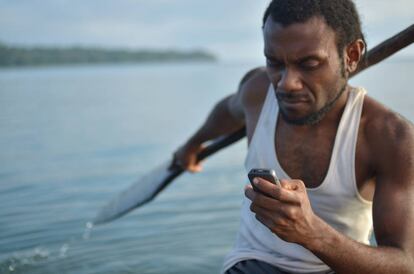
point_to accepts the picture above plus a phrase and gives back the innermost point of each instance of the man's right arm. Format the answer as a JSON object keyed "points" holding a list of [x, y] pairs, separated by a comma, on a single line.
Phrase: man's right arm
{"points": [[227, 116]]}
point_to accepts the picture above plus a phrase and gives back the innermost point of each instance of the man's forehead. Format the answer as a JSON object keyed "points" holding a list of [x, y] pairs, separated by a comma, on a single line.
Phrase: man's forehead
{"points": [[315, 24], [310, 36]]}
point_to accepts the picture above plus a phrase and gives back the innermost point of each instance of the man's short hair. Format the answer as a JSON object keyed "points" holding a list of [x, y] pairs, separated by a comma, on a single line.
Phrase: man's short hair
{"points": [[340, 15]]}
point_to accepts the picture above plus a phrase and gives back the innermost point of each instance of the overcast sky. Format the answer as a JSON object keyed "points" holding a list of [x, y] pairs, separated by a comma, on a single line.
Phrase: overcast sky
{"points": [[229, 28]]}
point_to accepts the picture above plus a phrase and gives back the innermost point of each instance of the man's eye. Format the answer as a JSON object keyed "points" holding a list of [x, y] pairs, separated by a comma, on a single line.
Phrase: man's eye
{"points": [[310, 64]]}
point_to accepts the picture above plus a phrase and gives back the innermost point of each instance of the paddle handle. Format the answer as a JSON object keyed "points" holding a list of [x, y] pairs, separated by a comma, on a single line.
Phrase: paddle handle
{"points": [[221, 142], [374, 56], [387, 48]]}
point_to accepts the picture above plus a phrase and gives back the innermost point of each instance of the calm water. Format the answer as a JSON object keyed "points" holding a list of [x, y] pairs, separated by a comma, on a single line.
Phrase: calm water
{"points": [[72, 137]]}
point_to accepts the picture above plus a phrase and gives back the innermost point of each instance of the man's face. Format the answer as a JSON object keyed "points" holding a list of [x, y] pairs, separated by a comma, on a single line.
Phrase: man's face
{"points": [[305, 69]]}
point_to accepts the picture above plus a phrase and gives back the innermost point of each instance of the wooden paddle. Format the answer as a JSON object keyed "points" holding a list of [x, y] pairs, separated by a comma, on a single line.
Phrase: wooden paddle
{"points": [[146, 188]]}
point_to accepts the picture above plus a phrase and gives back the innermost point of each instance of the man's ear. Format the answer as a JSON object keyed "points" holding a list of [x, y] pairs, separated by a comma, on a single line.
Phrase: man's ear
{"points": [[353, 55]]}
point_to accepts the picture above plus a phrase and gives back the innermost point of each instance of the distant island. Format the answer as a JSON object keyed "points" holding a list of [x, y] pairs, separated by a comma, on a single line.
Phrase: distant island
{"points": [[25, 56]]}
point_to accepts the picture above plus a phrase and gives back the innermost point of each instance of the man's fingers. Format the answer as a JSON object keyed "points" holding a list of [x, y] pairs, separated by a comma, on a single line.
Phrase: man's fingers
{"points": [[287, 184], [249, 192], [195, 168], [283, 193], [274, 220], [187, 164], [261, 200], [186, 158], [269, 207], [295, 185]]}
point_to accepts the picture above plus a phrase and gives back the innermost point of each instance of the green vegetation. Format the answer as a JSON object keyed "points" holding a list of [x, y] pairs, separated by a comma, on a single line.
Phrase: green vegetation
{"points": [[20, 56]]}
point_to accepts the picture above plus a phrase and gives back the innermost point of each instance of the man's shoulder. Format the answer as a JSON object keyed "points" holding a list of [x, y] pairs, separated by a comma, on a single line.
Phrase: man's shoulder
{"points": [[255, 75], [379, 120], [253, 87], [386, 132]]}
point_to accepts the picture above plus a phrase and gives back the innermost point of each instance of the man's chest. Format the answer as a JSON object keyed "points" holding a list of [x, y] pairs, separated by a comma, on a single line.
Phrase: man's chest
{"points": [[307, 156]]}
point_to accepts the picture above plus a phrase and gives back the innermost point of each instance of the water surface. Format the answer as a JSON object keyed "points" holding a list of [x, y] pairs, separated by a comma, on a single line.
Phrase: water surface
{"points": [[72, 137]]}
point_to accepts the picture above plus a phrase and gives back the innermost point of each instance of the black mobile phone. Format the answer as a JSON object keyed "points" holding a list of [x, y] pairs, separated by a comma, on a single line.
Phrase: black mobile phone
{"points": [[267, 174]]}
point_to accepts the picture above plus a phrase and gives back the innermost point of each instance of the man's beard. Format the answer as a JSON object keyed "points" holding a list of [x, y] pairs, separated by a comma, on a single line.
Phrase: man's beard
{"points": [[317, 116]]}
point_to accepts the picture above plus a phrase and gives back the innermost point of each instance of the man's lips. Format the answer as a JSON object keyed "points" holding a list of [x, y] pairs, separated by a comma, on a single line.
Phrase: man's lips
{"points": [[292, 100]]}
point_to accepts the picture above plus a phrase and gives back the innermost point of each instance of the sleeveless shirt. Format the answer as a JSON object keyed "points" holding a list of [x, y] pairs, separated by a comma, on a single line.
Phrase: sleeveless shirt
{"points": [[336, 200]]}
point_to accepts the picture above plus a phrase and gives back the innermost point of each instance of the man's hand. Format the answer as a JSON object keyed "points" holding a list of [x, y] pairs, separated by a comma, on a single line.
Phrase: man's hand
{"points": [[186, 157], [285, 210]]}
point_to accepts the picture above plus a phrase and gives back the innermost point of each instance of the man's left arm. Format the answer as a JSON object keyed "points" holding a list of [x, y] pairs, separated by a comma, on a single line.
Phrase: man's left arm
{"points": [[286, 211]]}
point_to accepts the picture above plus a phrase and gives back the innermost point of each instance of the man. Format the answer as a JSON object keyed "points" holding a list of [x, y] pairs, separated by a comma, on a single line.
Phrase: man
{"points": [[346, 161]]}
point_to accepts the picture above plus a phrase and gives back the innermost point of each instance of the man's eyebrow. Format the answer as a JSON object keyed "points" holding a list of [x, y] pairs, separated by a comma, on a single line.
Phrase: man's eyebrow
{"points": [[302, 59]]}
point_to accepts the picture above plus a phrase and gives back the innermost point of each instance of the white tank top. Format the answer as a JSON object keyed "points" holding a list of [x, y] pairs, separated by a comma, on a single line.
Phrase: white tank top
{"points": [[337, 200]]}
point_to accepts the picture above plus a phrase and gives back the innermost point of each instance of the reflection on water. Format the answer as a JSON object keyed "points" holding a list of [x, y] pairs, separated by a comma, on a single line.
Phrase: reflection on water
{"points": [[88, 231], [21, 262], [72, 137]]}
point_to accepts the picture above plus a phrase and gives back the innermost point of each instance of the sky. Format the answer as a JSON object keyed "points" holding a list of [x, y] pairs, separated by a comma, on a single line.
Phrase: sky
{"points": [[231, 29]]}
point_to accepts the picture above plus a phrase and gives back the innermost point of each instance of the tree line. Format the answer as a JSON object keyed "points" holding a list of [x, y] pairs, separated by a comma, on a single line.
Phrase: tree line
{"points": [[24, 56]]}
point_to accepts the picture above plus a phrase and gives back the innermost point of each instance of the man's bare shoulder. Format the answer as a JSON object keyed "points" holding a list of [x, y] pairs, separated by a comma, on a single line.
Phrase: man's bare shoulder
{"points": [[382, 121], [389, 136], [253, 88]]}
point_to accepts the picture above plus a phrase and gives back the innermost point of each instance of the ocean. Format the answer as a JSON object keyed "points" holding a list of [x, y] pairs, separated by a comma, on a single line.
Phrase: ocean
{"points": [[72, 137]]}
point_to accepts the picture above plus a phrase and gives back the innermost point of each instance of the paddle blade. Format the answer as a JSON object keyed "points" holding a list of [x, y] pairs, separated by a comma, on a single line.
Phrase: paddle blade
{"points": [[139, 193]]}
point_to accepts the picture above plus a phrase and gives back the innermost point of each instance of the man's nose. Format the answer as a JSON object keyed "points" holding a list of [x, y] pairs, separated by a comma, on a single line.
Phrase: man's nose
{"points": [[289, 81]]}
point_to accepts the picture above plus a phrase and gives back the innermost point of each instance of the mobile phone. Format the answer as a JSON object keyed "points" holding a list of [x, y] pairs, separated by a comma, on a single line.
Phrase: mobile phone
{"points": [[267, 174]]}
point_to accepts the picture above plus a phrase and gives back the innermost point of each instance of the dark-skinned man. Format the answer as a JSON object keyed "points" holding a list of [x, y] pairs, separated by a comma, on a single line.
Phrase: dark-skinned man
{"points": [[346, 161]]}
